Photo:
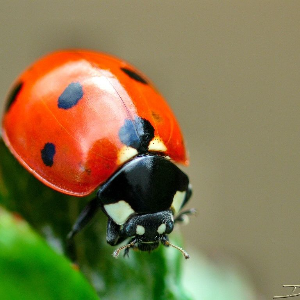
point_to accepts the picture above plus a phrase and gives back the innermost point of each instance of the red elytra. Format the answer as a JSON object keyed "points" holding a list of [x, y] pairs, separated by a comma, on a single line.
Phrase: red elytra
{"points": [[86, 135]]}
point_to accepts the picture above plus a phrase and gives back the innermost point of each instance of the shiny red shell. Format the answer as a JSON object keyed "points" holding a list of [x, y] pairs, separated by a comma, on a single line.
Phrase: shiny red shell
{"points": [[86, 136]]}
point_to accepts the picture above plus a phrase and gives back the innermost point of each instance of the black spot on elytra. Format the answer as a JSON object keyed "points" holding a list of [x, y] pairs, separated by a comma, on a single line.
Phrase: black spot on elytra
{"points": [[70, 96], [47, 154], [13, 95], [134, 75], [137, 134]]}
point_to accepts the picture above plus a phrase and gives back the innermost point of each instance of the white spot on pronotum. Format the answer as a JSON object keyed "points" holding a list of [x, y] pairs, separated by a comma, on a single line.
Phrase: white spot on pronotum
{"points": [[157, 144], [140, 230], [119, 212], [178, 200], [126, 153], [162, 228]]}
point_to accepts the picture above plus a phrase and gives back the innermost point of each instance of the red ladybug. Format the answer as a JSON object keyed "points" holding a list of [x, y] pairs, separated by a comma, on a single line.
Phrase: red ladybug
{"points": [[79, 120]]}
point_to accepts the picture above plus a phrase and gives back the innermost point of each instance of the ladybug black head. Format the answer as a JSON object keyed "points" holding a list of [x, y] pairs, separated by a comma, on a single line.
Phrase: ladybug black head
{"points": [[148, 231]]}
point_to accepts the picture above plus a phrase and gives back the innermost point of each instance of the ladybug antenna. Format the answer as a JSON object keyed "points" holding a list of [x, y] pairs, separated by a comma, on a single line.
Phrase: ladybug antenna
{"points": [[184, 253], [117, 252]]}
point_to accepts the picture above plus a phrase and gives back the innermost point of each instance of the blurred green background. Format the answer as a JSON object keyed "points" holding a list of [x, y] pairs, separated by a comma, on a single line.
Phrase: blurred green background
{"points": [[230, 71]]}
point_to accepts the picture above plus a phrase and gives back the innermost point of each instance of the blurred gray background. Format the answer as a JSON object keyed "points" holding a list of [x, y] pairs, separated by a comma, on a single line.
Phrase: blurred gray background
{"points": [[231, 72]]}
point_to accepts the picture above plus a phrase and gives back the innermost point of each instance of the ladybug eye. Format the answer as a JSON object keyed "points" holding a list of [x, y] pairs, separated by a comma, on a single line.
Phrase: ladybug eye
{"points": [[169, 226], [130, 229]]}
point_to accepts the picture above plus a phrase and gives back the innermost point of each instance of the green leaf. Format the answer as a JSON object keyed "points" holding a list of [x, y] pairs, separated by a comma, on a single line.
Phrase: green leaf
{"points": [[29, 269], [154, 276]]}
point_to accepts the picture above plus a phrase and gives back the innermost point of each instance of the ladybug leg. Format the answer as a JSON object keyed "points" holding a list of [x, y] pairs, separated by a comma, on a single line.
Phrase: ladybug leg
{"points": [[188, 195], [113, 235], [85, 217], [183, 216]]}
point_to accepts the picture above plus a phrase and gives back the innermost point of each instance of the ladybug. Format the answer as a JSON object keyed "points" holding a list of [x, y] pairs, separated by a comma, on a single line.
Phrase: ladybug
{"points": [[80, 120]]}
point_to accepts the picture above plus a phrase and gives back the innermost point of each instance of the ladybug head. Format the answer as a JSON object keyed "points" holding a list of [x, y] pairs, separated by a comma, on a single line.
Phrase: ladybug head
{"points": [[147, 231]]}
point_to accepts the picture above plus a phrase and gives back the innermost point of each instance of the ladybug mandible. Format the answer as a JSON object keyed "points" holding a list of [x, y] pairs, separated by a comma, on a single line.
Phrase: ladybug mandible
{"points": [[79, 120]]}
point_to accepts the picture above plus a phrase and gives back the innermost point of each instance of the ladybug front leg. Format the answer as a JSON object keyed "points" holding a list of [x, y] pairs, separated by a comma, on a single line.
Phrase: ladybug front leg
{"points": [[85, 217], [113, 234], [183, 216]]}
